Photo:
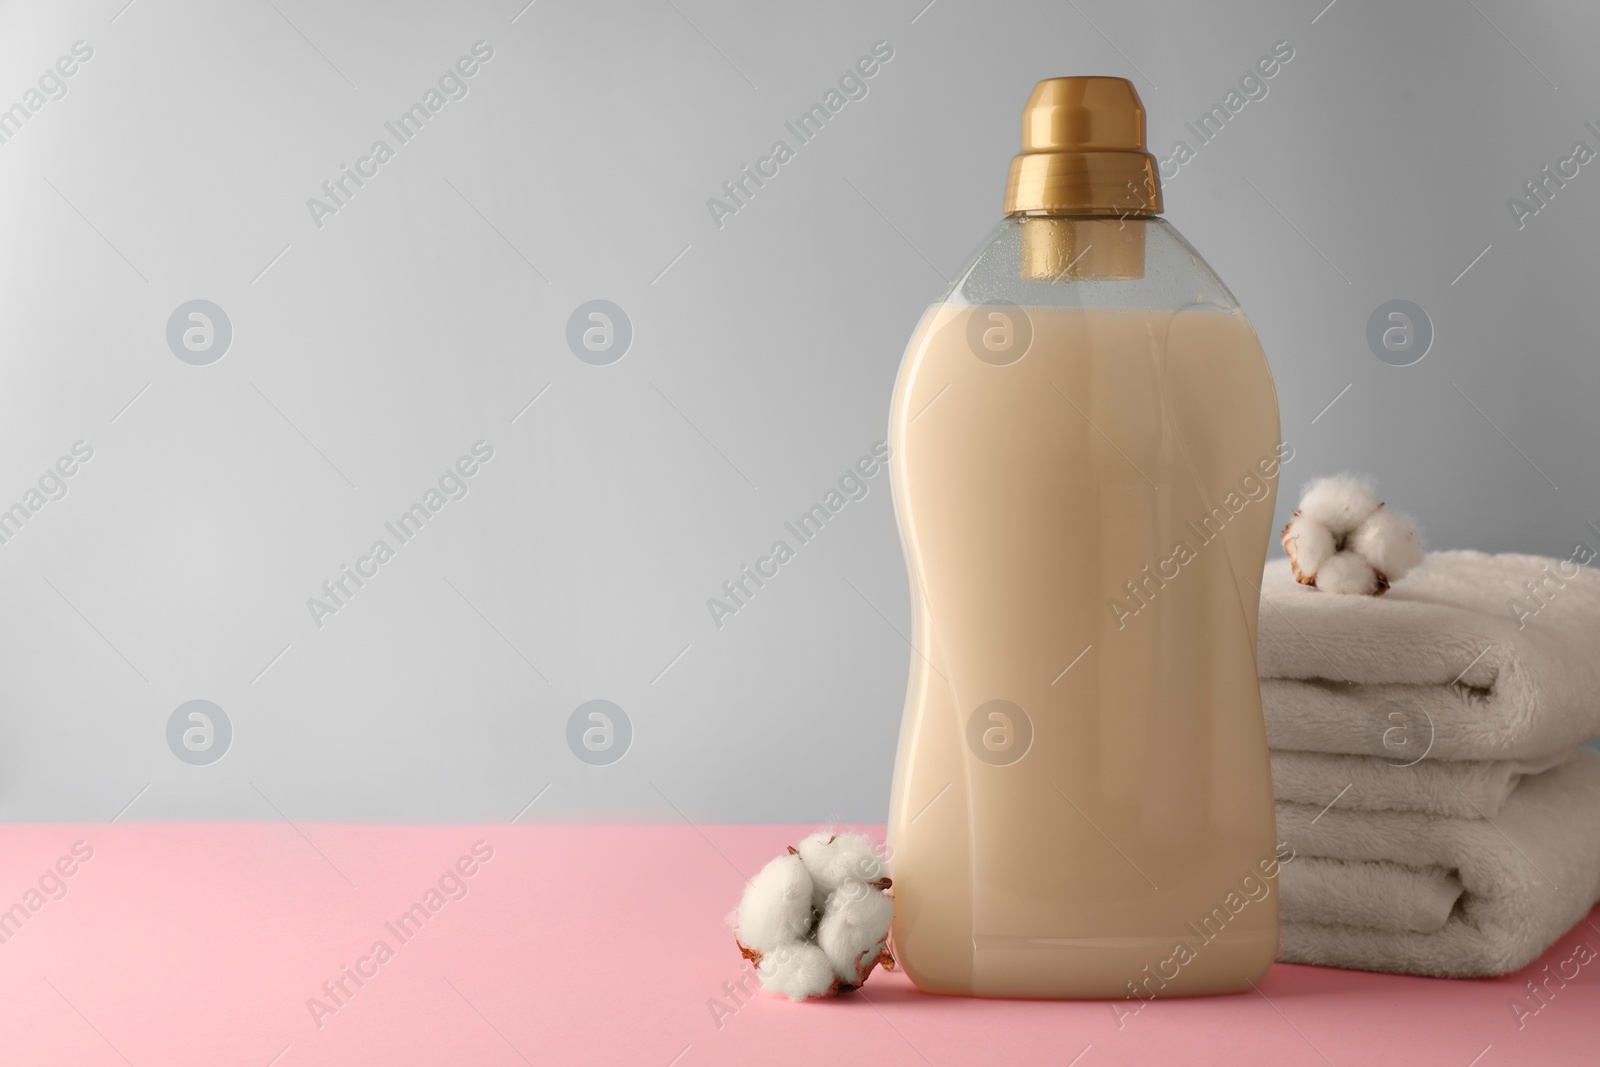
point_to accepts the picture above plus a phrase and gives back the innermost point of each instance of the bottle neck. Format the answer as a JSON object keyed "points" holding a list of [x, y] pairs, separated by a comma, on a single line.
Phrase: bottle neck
{"points": [[1082, 248]]}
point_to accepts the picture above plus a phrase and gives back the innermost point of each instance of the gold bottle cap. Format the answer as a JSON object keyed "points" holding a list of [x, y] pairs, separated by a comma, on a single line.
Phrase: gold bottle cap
{"points": [[1083, 152]]}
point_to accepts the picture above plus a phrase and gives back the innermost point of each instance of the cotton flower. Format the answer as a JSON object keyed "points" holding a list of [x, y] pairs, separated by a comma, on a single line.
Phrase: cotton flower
{"points": [[852, 929], [1348, 573], [1343, 540], [1389, 542], [1309, 544], [776, 907], [834, 859], [815, 921], [799, 970], [1340, 504]]}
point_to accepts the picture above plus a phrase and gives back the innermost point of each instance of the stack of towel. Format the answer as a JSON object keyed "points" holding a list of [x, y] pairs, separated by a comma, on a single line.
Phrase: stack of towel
{"points": [[1425, 764]]}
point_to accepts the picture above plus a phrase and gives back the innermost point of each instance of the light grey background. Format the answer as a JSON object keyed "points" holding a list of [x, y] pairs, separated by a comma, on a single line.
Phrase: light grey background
{"points": [[425, 315]]}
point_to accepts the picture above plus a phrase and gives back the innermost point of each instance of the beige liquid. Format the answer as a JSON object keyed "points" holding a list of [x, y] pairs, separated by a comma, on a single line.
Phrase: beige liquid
{"points": [[1140, 816]]}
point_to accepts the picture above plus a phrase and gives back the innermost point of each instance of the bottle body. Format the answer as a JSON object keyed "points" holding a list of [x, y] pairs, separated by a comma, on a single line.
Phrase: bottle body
{"points": [[1085, 456]]}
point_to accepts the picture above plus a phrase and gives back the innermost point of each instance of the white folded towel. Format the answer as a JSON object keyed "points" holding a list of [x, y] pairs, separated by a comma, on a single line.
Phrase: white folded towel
{"points": [[1466, 789], [1376, 896], [1459, 650], [1527, 876]]}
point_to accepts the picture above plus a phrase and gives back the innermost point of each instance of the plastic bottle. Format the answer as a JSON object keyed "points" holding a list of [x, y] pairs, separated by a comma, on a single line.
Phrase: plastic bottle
{"points": [[1085, 459]]}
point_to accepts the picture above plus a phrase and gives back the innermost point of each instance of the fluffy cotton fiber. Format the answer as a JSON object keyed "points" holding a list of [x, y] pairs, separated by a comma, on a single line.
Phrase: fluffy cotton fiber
{"points": [[1343, 540], [1389, 542], [1340, 504], [852, 929], [815, 922], [835, 859], [798, 970], [776, 906], [1309, 544], [1347, 573]]}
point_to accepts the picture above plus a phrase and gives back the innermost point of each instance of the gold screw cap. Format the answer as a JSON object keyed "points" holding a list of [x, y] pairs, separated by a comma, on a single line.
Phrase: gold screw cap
{"points": [[1083, 152]]}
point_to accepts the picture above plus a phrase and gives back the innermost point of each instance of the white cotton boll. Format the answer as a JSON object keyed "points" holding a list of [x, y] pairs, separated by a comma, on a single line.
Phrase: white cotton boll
{"points": [[834, 859], [854, 924], [1389, 542], [1341, 504], [1346, 572], [776, 907], [1309, 545], [815, 922], [797, 969]]}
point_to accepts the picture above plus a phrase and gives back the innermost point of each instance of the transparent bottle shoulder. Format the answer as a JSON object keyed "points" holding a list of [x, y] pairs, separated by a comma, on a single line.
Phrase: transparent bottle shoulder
{"points": [[1100, 262]]}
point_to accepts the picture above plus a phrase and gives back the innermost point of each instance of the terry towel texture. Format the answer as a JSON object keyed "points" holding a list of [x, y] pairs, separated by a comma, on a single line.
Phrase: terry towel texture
{"points": [[1373, 895], [1526, 877], [1334, 667], [1424, 762], [1466, 789]]}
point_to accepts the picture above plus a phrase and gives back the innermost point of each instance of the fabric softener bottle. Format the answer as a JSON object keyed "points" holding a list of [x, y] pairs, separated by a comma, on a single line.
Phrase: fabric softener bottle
{"points": [[1085, 459]]}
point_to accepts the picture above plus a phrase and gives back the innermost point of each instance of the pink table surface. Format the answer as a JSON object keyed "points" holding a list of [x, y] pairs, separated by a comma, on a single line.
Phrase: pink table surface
{"points": [[203, 943]]}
